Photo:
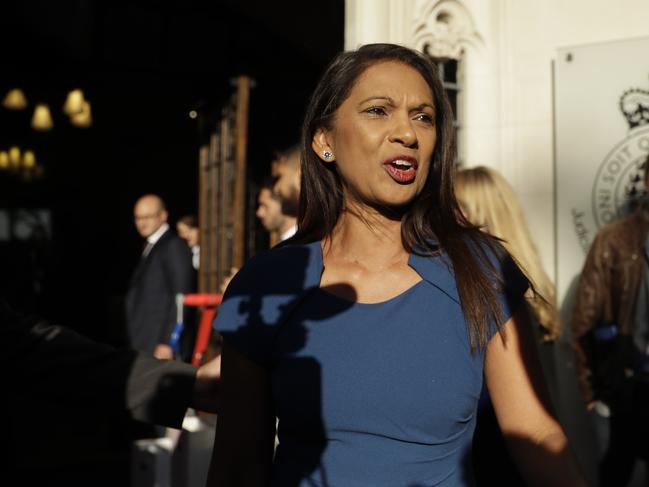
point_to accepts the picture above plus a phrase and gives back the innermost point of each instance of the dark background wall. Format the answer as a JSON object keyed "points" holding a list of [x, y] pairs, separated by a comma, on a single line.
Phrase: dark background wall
{"points": [[143, 64]]}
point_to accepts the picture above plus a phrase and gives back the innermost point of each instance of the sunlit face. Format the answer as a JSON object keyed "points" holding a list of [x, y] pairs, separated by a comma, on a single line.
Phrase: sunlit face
{"points": [[383, 136], [148, 215], [269, 210], [187, 233]]}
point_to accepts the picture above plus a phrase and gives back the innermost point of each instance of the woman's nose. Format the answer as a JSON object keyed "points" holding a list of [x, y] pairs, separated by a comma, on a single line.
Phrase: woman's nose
{"points": [[403, 132]]}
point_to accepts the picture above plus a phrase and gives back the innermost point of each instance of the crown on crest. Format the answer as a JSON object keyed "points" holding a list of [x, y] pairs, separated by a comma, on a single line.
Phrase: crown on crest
{"points": [[634, 104]]}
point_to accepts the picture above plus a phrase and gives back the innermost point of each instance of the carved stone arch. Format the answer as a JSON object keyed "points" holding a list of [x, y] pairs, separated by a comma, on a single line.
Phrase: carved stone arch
{"points": [[444, 28]]}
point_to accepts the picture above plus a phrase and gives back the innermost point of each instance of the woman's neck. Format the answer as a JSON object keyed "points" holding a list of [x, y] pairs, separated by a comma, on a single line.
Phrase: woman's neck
{"points": [[366, 237]]}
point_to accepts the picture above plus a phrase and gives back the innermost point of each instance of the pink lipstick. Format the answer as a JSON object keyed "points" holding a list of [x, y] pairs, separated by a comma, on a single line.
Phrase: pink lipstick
{"points": [[401, 168]]}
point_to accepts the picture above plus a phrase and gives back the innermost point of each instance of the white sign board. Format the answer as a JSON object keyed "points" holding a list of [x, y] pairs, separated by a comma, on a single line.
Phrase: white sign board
{"points": [[602, 139]]}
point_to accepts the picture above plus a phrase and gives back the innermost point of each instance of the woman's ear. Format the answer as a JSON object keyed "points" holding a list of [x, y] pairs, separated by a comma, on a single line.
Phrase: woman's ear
{"points": [[321, 146]]}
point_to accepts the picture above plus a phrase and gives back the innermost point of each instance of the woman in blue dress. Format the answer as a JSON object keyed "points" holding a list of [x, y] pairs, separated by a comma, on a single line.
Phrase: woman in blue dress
{"points": [[368, 334]]}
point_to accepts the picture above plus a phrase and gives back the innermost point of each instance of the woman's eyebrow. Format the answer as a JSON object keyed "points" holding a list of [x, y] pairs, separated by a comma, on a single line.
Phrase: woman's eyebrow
{"points": [[421, 106], [390, 101], [377, 97]]}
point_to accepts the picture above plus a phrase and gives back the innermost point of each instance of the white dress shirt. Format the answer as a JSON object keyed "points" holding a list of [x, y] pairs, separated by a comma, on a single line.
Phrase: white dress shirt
{"points": [[196, 256], [154, 237], [288, 233]]}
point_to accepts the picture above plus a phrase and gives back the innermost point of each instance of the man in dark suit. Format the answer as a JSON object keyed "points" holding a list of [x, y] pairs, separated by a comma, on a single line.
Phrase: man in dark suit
{"points": [[165, 269]]}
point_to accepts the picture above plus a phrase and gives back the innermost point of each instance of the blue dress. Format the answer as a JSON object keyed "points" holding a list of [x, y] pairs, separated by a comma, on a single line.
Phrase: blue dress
{"points": [[366, 395]]}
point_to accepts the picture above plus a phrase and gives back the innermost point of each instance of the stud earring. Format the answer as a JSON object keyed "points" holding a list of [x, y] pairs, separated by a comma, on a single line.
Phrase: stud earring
{"points": [[327, 154]]}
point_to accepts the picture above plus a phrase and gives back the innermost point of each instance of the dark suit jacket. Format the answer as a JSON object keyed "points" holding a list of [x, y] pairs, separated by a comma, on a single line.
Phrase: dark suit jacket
{"points": [[48, 362], [151, 298]]}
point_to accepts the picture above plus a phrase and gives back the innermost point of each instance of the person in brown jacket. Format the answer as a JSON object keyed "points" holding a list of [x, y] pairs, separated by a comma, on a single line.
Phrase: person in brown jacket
{"points": [[610, 331]]}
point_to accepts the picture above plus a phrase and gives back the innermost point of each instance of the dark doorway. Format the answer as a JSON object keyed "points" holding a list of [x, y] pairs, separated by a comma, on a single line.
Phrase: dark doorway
{"points": [[67, 241]]}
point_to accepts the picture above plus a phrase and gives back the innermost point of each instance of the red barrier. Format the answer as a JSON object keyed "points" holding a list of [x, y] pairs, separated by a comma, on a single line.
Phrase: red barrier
{"points": [[209, 303], [203, 299]]}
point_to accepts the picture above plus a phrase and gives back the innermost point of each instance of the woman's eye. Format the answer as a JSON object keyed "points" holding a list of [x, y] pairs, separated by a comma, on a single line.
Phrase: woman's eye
{"points": [[376, 111], [425, 117]]}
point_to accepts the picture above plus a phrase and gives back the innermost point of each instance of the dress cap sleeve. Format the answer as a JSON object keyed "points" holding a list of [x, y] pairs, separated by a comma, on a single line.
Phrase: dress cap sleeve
{"points": [[511, 286], [260, 297]]}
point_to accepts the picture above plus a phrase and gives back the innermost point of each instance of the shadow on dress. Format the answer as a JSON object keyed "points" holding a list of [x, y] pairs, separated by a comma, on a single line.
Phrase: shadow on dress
{"points": [[304, 440]]}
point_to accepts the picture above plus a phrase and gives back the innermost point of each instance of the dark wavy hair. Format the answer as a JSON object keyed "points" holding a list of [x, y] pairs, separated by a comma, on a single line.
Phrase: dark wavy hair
{"points": [[433, 223]]}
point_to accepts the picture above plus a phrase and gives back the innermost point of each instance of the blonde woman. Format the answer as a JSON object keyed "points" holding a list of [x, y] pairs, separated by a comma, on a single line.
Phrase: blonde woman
{"points": [[488, 201]]}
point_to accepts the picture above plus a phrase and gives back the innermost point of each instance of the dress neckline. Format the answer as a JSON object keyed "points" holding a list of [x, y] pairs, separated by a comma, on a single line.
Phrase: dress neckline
{"points": [[320, 261]]}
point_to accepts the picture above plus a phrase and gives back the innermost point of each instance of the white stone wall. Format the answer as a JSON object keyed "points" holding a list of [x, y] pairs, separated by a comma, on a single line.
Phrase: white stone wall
{"points": [[509, 47]]}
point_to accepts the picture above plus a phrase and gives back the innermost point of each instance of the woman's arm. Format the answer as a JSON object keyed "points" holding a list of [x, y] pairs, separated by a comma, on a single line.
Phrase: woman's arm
{"points": [[245, 427], [535, 439]]}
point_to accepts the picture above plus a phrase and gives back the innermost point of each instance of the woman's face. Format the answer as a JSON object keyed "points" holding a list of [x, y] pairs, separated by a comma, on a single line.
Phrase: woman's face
{"points": [[383, 136], [187, 233]]}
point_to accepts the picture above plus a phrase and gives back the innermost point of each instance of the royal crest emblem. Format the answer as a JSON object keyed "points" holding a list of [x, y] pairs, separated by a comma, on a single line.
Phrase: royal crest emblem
{"points": [[619, 181]]}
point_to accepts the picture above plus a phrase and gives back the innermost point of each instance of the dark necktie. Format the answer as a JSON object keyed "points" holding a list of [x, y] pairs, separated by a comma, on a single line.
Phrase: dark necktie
{"points": [[147, 248]]}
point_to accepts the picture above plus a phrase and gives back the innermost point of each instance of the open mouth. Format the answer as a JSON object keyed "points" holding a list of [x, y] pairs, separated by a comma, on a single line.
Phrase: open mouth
{"points": [[402, 170]]}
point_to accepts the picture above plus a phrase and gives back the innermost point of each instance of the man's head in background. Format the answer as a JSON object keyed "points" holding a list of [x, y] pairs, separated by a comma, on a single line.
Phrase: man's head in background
{"points": [[286, 167], [269, 206], [149, 214]]}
